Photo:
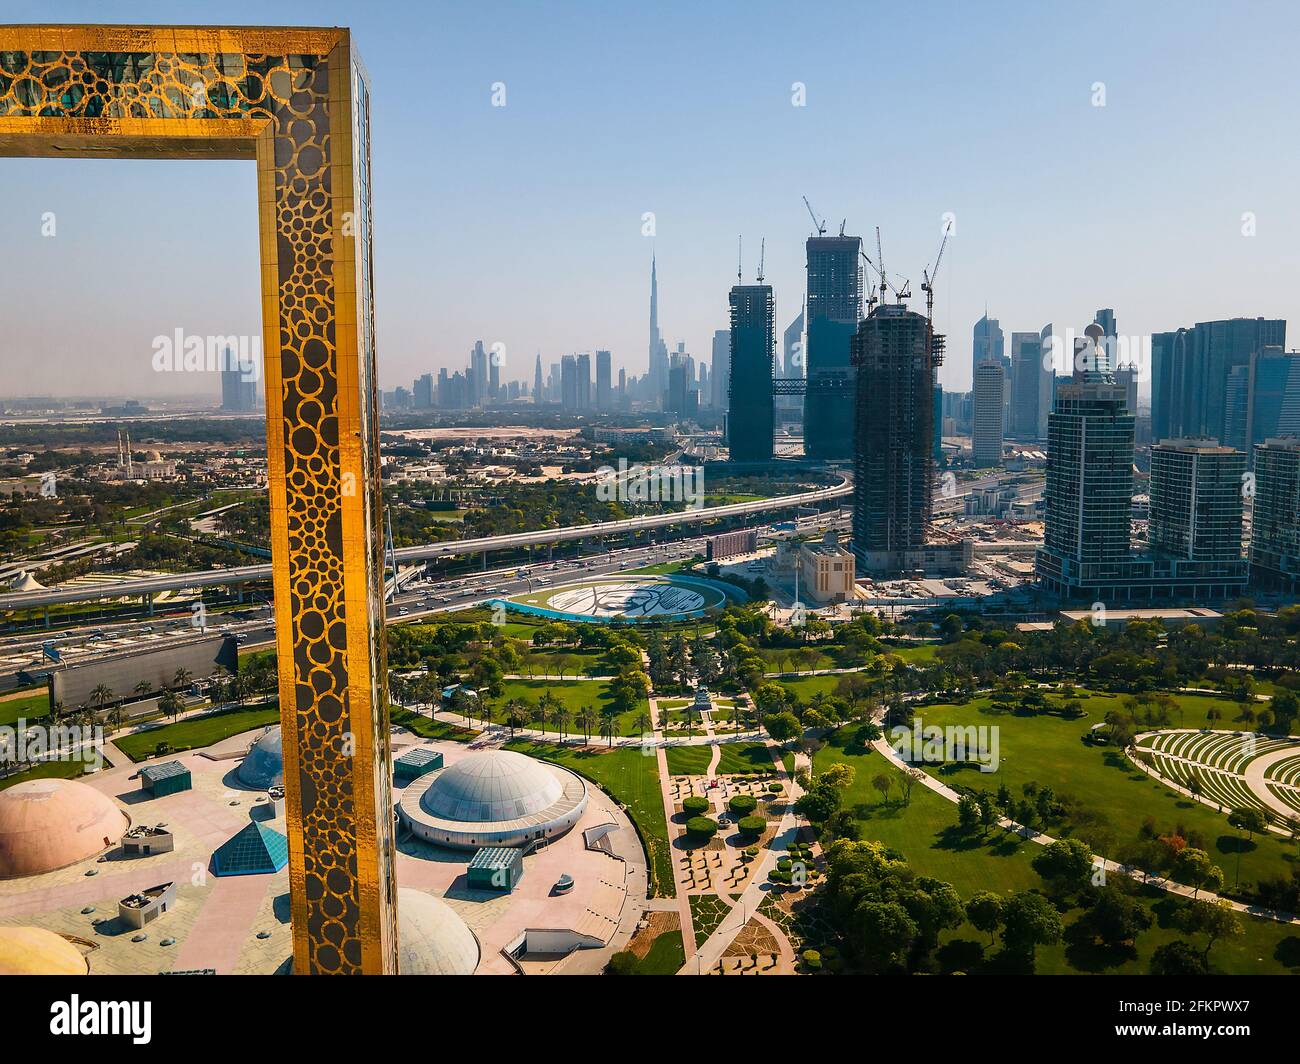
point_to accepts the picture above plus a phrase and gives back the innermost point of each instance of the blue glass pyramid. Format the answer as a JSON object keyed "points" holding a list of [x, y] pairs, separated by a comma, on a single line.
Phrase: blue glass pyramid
{"points": [[253, 850]]}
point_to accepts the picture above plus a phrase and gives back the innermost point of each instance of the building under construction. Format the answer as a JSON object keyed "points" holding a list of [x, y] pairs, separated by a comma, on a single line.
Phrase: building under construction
{"points": [[896, 356]]}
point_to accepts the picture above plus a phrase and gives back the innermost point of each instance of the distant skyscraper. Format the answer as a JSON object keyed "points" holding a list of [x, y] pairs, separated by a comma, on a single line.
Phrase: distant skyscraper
{"points": [[584, 381], [833, 311], [894, 440], [423, 391], [1263, 398], [1275, 516], [987, 343], [657, 366], [1031, 387], [569, 382], [1191, 370], [986, 436], [238, 384], [537, 379], [792, 360], [721, 368], [603, 375], [478, 375], [749, 406]]}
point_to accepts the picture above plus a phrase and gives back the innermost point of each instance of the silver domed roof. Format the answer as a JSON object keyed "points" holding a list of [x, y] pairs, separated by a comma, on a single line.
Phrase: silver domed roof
{"points": [[432, 939], [492, 786], [263, 765]]}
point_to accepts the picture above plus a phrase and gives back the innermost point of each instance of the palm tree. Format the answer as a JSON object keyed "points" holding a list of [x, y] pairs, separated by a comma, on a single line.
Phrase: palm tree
{"points": [[171, 704], [115, 718], [100, 694], [607, 728], [563, 714], [143, 687], [642, 722], [182, 677], [586, 720]]}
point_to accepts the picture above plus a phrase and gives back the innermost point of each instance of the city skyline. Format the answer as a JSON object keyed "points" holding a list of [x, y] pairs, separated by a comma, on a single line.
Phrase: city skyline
{"points": [[572, 252]]}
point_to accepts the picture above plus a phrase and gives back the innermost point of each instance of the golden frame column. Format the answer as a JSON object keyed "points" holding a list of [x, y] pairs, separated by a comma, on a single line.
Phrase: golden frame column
{"points": [[296, 101]]}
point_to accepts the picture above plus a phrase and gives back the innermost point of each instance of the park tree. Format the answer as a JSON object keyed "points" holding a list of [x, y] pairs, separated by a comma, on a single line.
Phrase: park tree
{"points": [[984, 911], [1178, 957], [1214, 920], [1194, 867], [1066, 865], [1114, 918], [1030, 921]]}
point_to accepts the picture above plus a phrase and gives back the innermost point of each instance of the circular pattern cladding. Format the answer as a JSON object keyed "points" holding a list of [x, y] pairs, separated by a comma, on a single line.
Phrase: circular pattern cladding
{"points": [[52, 823], [494, 798], [628, 599]]}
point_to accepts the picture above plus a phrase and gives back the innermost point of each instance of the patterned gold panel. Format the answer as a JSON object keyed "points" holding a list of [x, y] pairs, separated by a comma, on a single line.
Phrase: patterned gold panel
{"points": [[297, 101]]}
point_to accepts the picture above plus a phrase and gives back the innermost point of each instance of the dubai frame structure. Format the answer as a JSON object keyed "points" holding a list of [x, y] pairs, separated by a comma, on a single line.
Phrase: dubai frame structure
{"points": [[297, 102]]}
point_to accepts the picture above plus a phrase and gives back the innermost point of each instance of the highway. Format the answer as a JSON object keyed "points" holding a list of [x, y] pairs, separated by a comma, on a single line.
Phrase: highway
{"points": [[254, 625], [249, 573]]}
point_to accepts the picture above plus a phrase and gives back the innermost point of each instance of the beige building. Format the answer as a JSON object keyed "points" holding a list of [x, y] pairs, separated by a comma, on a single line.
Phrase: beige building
{"points": [[826, 571]]}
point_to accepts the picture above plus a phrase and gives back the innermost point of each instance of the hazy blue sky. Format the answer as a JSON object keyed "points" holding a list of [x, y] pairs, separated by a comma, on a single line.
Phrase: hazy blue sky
{"points": [[522, 224]]}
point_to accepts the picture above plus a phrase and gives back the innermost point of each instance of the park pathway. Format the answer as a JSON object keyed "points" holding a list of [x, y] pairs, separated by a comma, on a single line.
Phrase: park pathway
{"points": [[943, 790]]}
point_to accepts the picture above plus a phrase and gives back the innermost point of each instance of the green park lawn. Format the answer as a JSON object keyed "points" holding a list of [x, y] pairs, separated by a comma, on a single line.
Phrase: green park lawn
{"points": [[29, 705], [1114, 794], [197, 733], [65, 770], [574, 695], [429, 728], [736, 759], [665, 956], [630, 778], [925, 832]]}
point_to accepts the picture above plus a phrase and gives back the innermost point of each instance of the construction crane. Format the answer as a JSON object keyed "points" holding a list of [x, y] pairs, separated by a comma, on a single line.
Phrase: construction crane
{"points": [[879, 266], [927, 286], [740, 255], [762, 252], [819, 226]]}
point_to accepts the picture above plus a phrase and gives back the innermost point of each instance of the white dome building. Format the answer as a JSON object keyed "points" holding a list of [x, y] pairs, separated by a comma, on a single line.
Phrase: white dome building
{"points": [[263, 765], [432, 939], [494, 798]]}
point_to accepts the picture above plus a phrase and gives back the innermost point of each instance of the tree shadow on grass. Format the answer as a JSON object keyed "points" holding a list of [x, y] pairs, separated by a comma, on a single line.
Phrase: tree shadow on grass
{"points": [[1235, 844], [953, 839], [1287, 952], [960, 955], [1085, 954]]}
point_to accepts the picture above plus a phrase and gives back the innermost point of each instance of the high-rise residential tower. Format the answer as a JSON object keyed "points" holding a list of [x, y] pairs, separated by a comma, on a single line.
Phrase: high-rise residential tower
{"points": [[1275, 516], [1196, 501], [537, 379], [1088, 496], [749, 405]]}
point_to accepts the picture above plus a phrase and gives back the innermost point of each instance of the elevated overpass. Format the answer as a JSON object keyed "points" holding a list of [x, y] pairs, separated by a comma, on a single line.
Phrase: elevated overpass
{"points": [[150, 585]]}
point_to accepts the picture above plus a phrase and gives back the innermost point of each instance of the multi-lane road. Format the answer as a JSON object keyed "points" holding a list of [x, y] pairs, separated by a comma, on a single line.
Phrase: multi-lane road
{"points": [[420, 597], [249, 573]]}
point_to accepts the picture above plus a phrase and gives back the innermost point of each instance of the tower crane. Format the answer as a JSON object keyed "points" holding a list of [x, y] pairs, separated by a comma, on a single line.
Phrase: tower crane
{"points": [[819, 226], [927, 286], [762, 252]]}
